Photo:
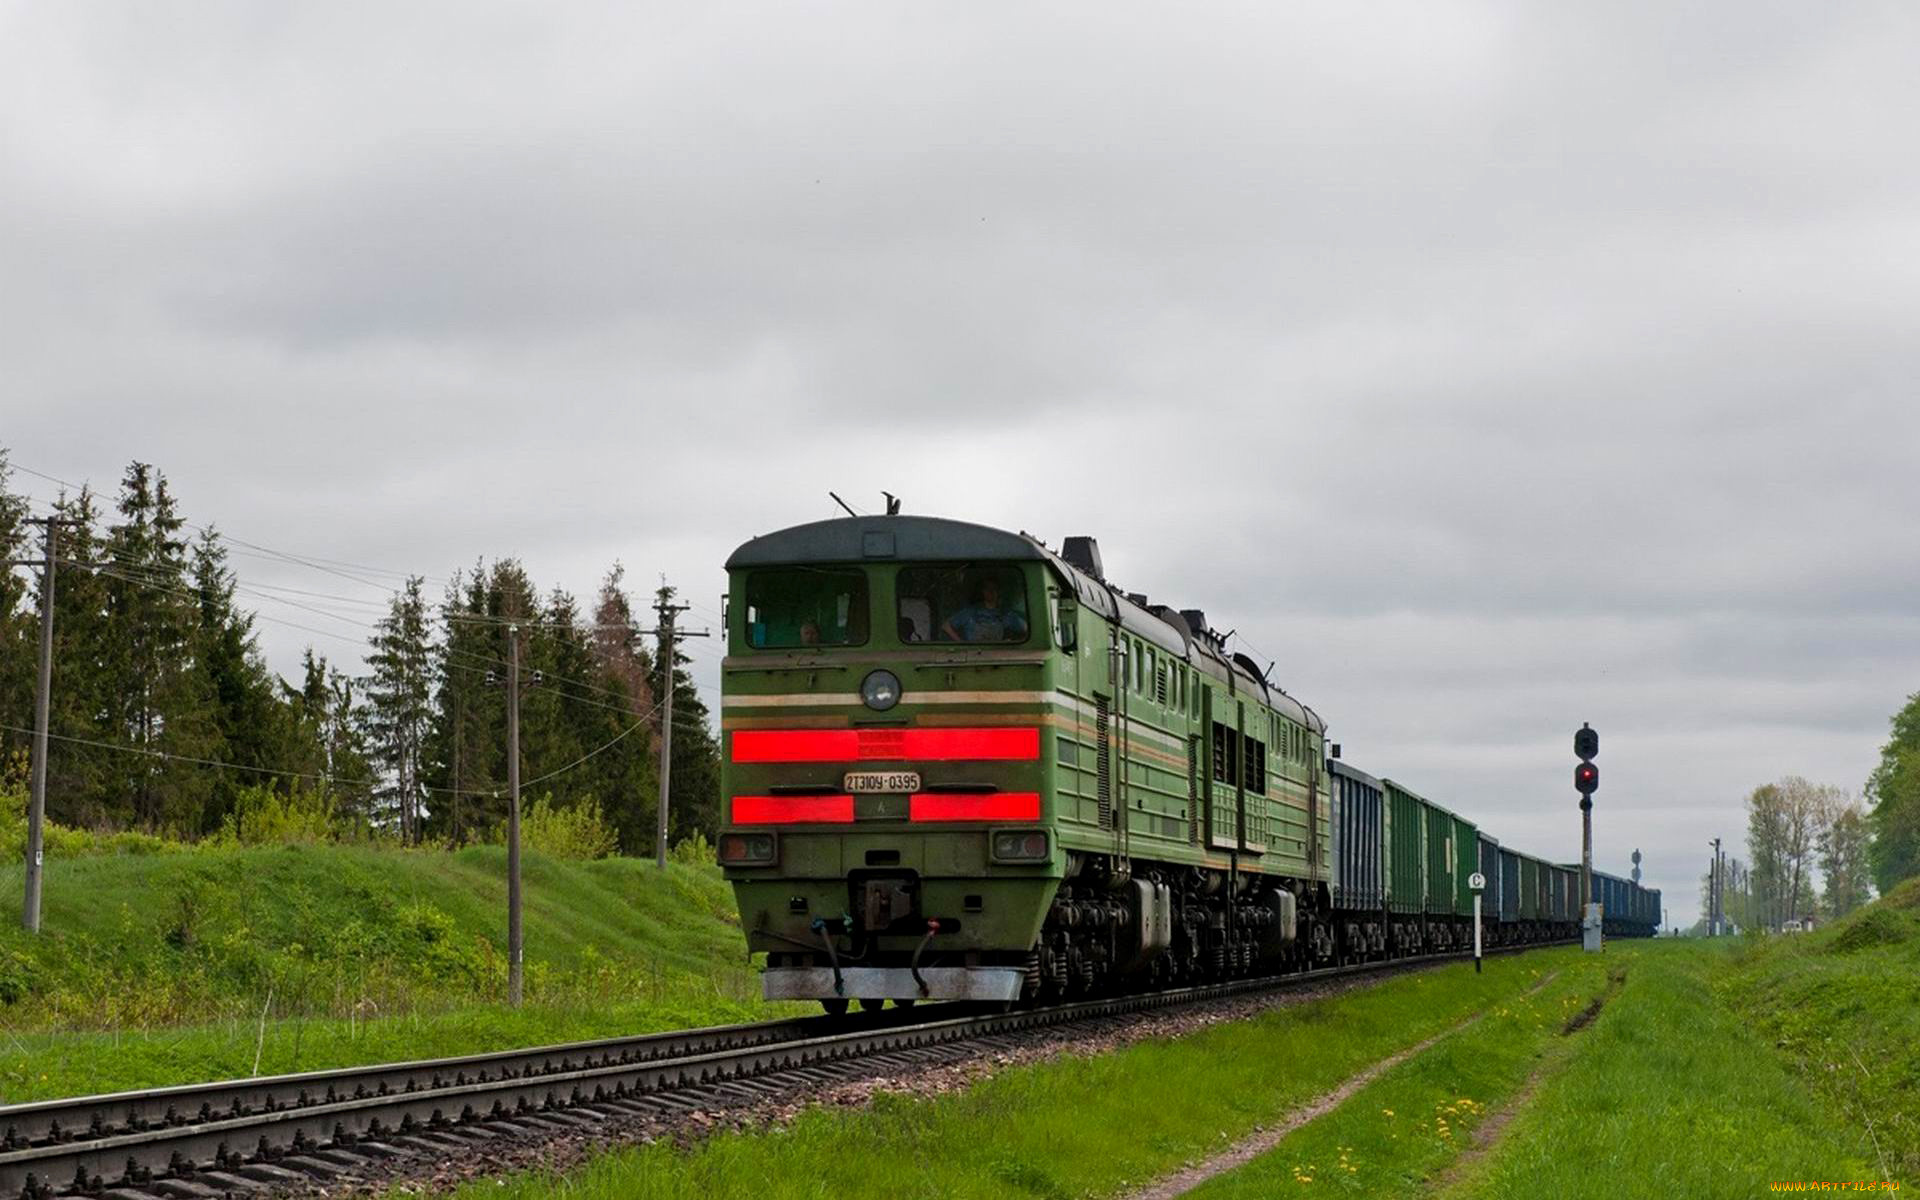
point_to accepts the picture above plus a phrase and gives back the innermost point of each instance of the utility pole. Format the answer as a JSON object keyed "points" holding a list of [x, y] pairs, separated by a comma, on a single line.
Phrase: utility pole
{"points": [[42, 699], [515, 944], [664, 612], [1713, 893], [515, 941], [459, 773]]}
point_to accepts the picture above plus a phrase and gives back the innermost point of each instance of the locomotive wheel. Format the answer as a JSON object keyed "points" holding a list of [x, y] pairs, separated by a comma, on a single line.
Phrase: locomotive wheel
{"points": [[869, 1004], [907, 1003], [836, 1007]]}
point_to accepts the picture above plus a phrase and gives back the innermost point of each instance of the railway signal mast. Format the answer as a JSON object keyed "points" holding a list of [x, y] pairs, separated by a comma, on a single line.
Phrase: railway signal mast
{"points": [[1586, 781]]}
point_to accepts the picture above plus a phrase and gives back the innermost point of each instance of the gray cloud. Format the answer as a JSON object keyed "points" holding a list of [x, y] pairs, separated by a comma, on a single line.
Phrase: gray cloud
{"points": [[1490, 367]]}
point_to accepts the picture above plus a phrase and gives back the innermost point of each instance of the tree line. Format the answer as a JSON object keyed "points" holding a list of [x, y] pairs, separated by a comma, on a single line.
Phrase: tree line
{"points": [[1801, 834], [167, 716]]}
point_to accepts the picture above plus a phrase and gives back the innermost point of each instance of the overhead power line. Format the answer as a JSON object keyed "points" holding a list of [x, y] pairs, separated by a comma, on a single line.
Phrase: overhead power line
{"points": [[314, 562], [133, 575], [320, 777]]}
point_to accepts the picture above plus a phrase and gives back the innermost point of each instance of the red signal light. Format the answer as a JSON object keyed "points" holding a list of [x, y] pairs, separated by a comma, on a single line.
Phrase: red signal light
{"points": [[1586, 778]]}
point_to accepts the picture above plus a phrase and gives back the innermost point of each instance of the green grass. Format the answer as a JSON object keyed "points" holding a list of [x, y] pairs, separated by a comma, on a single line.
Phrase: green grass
{"points": [[156, 969], [1716, 1070], [1669, 1093], [1842, 1005], [1068, 1127], [1398, 1132]]}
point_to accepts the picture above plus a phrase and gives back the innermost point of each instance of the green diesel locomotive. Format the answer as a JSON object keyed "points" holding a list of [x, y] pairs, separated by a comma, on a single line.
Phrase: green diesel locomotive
{"points": [[961, 765]]}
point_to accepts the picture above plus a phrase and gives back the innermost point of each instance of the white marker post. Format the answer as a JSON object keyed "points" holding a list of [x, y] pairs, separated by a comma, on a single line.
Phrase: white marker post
{"points": [[1478, 883]]}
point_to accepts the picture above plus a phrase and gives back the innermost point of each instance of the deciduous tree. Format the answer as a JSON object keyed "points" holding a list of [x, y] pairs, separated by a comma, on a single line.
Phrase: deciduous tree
{"points": [[1894, 791], [1843, 858]]}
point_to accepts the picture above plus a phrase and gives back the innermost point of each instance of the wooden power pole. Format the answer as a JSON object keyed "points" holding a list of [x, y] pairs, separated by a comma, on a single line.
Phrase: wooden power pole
{"points": [[516, 945], [42, 700], [515, 942], [664, 612]]}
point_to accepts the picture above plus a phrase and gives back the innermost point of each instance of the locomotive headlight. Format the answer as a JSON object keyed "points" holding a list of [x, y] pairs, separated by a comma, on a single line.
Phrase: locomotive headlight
{"points": [[746, 849], [1020, 845], [880, 690]]}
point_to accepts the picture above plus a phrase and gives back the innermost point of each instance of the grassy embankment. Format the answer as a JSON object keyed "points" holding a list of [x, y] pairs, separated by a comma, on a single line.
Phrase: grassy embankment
{"points": [[158, 967], [1072, 1126], [1842, 1006]]}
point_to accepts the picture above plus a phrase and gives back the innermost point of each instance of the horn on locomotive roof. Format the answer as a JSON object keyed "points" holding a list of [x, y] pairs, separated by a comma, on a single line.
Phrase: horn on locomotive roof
{"points": [[893, 504], [1084, 553]]}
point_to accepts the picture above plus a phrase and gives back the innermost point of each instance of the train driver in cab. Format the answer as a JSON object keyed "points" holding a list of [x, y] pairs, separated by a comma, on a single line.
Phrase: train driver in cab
{"points": [[985, 620]]}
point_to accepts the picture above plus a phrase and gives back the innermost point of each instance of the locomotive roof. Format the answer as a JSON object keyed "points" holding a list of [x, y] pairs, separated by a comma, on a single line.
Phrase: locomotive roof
{"points": [[859, 539], [900, 538]]}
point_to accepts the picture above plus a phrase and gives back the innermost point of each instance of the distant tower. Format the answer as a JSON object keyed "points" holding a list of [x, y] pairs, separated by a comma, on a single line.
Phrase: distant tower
{"points": [[1636, 866]]}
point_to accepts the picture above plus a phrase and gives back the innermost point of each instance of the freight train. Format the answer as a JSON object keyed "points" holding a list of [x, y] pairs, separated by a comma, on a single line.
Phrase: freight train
{"points": [[958, 764]]}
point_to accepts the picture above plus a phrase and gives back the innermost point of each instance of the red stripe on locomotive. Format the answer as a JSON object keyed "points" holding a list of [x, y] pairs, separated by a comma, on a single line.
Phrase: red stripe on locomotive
{"points": [[1004, 744], [792, 810], [974, 806]]}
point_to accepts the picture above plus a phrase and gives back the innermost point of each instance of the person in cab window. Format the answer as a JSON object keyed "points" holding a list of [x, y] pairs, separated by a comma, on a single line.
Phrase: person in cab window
{"points": [[985, 620]]}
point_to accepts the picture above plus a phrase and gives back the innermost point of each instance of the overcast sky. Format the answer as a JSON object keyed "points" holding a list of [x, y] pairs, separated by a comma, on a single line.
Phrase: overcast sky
{"points": [[1491, 368]]}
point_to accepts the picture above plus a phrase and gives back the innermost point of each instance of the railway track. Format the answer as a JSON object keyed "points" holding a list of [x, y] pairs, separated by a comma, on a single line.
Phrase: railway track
{"points": [[291, 1132]]}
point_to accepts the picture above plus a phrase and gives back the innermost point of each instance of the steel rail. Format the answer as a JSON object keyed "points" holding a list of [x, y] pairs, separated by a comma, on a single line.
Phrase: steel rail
{"points": [[282, 1129]]}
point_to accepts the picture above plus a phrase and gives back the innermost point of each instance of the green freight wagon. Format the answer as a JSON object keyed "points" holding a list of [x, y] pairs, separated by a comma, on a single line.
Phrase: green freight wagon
{"points": [[1433, 852], [1466, 860], [1452, 858], [1530, 889], [1407, 867]]}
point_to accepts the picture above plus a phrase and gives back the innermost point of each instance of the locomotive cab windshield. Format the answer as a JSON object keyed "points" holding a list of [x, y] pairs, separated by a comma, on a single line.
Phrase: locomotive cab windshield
{"points": [[806, 607], [790, 607]]}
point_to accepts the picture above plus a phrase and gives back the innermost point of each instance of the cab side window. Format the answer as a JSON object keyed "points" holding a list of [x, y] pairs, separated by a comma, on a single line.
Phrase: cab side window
{"points": [[965, 602]]}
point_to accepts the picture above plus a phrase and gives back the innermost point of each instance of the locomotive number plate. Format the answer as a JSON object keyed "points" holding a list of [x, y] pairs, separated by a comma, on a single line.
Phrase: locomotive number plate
{"points": [[882, 781]]}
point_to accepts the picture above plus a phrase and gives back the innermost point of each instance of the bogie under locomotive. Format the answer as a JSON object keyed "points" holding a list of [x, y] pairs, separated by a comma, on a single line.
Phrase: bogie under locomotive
{"points": [[959, 765]]}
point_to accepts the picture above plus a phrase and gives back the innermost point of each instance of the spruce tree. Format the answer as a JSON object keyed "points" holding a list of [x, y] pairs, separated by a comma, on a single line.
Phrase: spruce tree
{"points": [[161, 702], [19, 631], [463, 755], [398, 710], [80, 778], [254, 725]]}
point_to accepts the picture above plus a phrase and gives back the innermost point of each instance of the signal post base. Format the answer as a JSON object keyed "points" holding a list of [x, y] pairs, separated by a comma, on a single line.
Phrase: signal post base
{"points": [[1590, 939]]}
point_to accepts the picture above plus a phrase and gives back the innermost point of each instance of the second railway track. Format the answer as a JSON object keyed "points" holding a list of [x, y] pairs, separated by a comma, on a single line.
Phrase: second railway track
{"points": [[280, 1133]]}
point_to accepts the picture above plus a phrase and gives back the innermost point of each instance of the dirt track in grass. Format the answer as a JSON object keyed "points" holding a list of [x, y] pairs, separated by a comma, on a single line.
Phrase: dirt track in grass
{"points": [[1245, 1151]]}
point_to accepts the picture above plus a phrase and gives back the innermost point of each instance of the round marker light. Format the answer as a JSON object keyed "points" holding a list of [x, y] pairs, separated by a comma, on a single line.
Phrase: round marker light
{"points": [[880, 690], [1020, 845]]}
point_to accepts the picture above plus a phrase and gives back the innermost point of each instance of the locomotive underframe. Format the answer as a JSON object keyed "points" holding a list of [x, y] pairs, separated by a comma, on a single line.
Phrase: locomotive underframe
{"points": [[1107, 926]]}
